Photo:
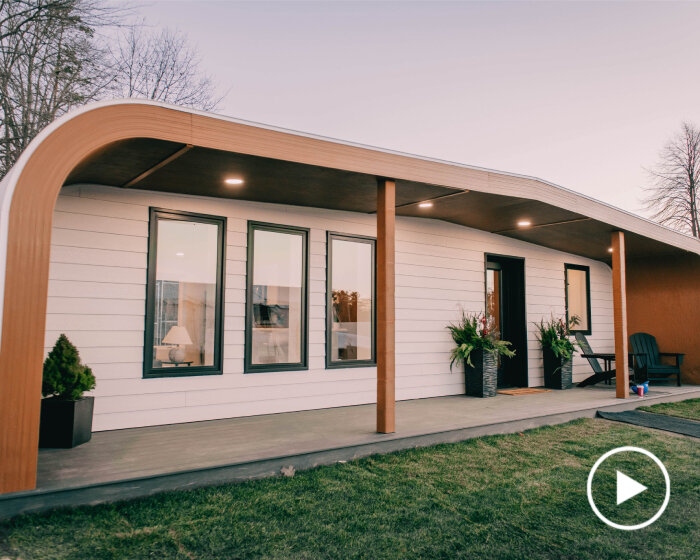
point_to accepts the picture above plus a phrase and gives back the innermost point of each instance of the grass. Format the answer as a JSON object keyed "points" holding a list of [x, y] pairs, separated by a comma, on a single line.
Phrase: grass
{"points": [[689, 409], [513, 496]]}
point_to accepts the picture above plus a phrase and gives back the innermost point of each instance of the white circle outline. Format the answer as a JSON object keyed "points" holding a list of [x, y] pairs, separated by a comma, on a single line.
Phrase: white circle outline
{"points": [[590, 484]]}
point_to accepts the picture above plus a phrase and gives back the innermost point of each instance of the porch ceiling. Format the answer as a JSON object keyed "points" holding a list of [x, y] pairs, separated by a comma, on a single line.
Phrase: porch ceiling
{"points": [[202, 171]]}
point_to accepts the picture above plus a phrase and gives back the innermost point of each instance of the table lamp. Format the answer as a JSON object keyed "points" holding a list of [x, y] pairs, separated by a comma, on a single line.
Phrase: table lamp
{"points": [[177, 335]]}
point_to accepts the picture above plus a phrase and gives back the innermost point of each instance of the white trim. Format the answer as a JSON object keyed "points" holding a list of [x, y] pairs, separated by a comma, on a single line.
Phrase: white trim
{"points": [[6, 190]]}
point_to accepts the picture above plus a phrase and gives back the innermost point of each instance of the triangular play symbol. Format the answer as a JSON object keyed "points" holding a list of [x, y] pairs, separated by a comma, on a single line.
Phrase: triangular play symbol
{"points": [[627, 488]]}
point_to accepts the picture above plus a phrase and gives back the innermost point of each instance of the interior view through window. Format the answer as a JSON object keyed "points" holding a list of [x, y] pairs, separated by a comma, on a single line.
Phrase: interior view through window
{"points": [[493, 294], [277, 295], [185, 294], [577, 296], [351, 299]]}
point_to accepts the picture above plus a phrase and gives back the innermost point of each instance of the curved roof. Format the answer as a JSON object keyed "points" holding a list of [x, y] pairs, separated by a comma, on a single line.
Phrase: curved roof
{"points": [[299, 168], [152, 146]]}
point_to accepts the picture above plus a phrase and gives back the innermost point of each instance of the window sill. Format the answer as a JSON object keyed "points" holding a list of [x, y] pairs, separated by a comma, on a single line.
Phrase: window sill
{"points": [[180, 372]]}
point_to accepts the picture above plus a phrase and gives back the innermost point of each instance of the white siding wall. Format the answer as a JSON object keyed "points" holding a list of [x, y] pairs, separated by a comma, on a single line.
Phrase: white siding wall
{"points": [[97, 292]]}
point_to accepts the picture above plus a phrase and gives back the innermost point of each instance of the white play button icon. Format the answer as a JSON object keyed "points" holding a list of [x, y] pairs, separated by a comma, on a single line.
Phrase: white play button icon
{"points": [[627, 488]]}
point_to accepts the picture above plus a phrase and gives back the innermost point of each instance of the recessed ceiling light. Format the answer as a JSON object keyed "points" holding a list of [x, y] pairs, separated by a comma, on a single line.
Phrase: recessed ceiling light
{"points": [[234, 181], [425, 205], [524, 223], [179, 254]]}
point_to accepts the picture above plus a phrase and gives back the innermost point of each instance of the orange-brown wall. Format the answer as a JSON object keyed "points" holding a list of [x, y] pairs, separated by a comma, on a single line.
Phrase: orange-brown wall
{"points": [[663, 299]]}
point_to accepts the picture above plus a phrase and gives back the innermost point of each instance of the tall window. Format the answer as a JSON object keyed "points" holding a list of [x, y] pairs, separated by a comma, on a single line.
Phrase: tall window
{"points": [[578, 296], [276, 302], [184, 294], [350, 305]]}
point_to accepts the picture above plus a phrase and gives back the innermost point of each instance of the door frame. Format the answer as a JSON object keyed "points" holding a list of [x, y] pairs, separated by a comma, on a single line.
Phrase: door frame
{"points": [[487, 256]]}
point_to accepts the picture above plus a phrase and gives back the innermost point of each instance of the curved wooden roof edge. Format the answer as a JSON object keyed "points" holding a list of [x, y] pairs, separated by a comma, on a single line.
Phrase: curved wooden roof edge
{"points": [[377, 161], [29, 191], [73, 136]]}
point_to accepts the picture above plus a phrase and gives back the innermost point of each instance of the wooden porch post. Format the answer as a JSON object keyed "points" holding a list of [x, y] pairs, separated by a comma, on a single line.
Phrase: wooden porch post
{"points": [[386, 203], [622, 377]]}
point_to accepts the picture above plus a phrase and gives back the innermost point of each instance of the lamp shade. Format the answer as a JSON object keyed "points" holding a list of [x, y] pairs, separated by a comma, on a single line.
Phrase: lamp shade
{"points": [[177, 335]]}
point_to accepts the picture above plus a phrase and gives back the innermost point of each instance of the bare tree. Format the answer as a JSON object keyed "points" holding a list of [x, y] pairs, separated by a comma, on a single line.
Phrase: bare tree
{"points": [[673, 199], [17, 15], [160, 65], [49, 63], [53, 59]]}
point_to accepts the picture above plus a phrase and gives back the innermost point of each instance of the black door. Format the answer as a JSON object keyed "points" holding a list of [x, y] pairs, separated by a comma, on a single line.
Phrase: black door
{"points": [[505, 302]]}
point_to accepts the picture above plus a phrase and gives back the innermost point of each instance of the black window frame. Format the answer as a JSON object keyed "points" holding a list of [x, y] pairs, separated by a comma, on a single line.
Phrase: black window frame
{"points": [[248, 366], [155, 215], [330, 364], [587, 270]]}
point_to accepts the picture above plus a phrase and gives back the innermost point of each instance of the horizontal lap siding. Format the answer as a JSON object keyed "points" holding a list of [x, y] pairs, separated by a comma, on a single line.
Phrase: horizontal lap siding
{"points": [[97, 297], [426, 249]]}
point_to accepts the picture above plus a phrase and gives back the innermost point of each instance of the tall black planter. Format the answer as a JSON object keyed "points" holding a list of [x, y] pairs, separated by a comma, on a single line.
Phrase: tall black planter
{"points": [[557, 371], [65, 423], [480, 380]]}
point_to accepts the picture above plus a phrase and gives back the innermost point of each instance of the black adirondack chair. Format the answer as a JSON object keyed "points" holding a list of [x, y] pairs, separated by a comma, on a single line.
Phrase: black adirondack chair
{"points": [[649, 359], [599, 374]]}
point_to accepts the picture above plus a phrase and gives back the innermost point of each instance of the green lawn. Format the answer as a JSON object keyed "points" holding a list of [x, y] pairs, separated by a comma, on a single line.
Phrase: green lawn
{"points": [[684, 409], [515, 496]]}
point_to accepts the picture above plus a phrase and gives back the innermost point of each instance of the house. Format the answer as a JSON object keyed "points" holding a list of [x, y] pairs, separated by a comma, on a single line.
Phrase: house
{"points": [[211, 268]]}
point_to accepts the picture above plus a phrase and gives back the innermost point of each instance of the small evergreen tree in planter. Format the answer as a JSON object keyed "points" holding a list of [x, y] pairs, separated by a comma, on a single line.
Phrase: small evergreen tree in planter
{"points": [[557, 351], [66, 416], [479, 347]]}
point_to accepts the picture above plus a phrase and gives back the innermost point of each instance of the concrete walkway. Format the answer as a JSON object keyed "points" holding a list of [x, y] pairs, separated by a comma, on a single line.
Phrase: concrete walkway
{"points": [[134, 462]]}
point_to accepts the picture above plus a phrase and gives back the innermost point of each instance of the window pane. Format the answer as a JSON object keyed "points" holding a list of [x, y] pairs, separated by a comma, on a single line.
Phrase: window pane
{"points": [[351, 298], [278, 275], [577, 297], [185, 306], [493, 296]]}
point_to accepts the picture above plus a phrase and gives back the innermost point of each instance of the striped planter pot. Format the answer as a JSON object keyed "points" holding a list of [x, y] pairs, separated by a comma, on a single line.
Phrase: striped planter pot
{"points": [[557, 371], [480, 380]]}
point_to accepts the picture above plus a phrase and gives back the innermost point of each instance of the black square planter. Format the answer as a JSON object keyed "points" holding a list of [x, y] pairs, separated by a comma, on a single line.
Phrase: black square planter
{"points": [[557, 370], [480, 380], [65, 423]]}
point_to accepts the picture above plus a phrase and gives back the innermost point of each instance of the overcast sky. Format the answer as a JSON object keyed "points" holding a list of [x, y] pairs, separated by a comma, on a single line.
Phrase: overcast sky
{"points": [[580, 94]]}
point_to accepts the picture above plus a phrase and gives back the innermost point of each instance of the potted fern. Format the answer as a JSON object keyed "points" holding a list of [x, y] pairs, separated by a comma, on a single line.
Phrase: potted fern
{"points": [[479, 347], [66, 415], [557, 351]]}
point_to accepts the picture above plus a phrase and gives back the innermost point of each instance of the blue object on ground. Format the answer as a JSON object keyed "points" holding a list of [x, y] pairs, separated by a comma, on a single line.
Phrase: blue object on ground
{"points": [[644, 386]]}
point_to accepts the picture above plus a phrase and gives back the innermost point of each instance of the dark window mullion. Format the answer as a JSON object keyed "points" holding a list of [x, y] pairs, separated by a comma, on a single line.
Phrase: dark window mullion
{"points": [[330, 363], [155, 309], [587, 270], [302, 364]]}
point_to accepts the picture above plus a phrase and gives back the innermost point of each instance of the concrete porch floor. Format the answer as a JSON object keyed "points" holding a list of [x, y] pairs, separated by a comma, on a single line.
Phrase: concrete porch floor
{"points": [[135, 462]]}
